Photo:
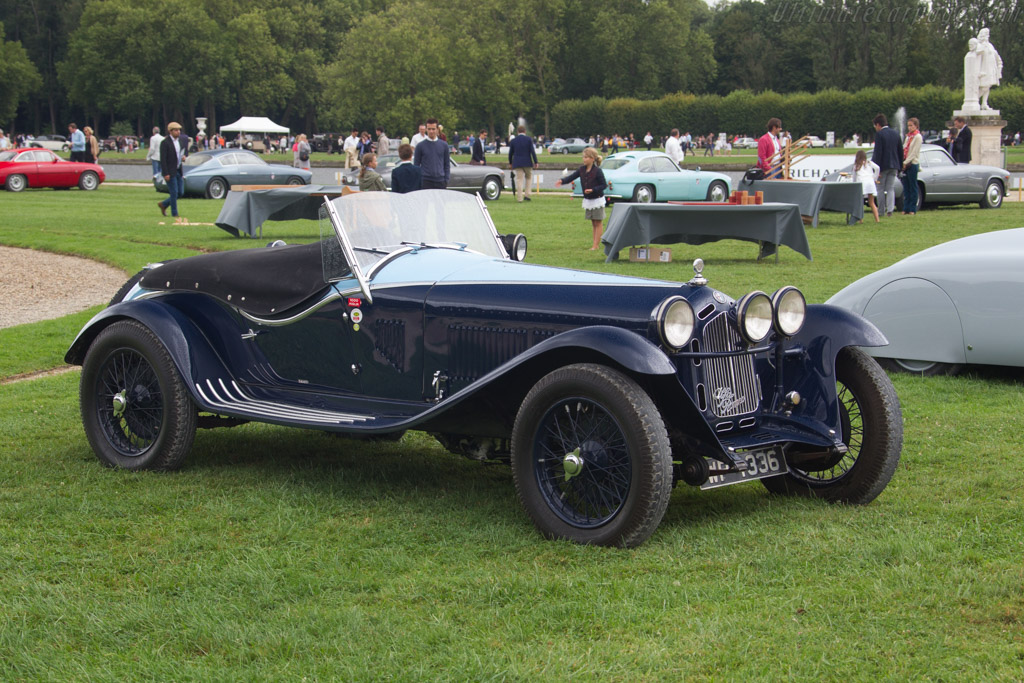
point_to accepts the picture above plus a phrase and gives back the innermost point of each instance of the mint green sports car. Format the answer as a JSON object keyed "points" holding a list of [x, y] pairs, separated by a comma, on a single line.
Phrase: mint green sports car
{"points": [[647, 177]]}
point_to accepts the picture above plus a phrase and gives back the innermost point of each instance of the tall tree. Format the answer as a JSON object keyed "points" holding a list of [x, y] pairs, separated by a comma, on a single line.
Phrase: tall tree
{"points": [[19, 76]]}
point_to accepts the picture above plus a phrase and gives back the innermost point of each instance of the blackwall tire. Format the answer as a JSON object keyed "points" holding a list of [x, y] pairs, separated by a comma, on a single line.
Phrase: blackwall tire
{"points": [[136, 411], [591, 457], [872, 428]]}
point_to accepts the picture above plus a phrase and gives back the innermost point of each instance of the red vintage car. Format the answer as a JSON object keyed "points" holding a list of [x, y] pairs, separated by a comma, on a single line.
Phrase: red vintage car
{"points": [[21, 168]]}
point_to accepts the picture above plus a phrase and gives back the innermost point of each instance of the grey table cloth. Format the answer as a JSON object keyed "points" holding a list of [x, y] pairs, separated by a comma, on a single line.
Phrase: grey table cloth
{"points": [[812, 197], [245, 212], [767, 224]]}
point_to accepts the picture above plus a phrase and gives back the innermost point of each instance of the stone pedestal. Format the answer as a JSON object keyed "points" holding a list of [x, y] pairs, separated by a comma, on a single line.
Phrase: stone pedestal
{"points": [[986, 135]]}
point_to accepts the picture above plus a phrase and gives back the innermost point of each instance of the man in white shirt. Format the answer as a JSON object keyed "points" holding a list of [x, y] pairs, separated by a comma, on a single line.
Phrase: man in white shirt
{"points": [[5, 143], [352, 150], [153, 153], [420, 136], [673, 148]]}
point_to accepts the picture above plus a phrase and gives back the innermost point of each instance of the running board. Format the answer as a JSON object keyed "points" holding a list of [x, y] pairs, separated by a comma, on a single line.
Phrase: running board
{"points": [[236, 402]]}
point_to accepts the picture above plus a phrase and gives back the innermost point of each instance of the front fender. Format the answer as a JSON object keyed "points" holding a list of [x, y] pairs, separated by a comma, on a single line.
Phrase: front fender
{"points": [[630, 350], [842, 327], [188, 347]]}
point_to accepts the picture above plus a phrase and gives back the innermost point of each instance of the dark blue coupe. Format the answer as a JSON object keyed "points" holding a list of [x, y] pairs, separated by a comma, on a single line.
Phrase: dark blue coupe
{"points": [[412, 312]]}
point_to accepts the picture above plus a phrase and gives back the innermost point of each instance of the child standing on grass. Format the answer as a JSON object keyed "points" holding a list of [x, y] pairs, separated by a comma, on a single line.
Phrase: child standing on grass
{"points": [[593, 184], [865, 172]]}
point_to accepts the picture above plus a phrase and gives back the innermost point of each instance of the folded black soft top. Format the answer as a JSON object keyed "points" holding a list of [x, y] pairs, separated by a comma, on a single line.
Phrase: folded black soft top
{"points": [[261, 282]]}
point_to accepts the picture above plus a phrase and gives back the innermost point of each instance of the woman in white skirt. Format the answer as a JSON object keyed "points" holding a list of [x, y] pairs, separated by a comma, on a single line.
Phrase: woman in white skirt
{"points": [[865, 172]]}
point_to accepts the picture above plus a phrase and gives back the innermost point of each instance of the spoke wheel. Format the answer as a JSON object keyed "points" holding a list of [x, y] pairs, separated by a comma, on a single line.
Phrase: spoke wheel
{"points": [[591, 457], [136, 411], [217, 189], [871, 425]]}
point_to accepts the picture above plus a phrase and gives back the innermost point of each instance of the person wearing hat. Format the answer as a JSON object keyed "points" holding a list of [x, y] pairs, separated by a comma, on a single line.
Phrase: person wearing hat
{"points": [[171, 154]]}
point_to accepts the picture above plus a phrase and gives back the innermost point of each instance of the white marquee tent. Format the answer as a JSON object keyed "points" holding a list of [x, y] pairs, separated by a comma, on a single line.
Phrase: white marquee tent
{"points": [[253, 124]]}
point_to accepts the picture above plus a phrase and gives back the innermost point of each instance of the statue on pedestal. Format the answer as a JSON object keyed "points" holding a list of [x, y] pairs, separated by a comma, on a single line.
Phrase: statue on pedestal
{"points": [[990, 67]]}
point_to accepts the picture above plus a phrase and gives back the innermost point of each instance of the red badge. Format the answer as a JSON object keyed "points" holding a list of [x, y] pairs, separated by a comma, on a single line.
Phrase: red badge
{"points": [[353, 302]]}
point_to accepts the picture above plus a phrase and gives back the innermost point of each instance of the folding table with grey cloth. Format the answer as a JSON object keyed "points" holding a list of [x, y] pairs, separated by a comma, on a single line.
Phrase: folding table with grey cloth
{"points": [[812, 197], [245, 212], [767, 224]]}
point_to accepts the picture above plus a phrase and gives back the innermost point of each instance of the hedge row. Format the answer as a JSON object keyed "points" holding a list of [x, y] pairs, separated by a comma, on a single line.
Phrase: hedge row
{"points": [[742, 112]]}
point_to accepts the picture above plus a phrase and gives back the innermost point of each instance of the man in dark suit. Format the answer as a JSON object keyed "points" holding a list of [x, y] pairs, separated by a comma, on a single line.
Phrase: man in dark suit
{"points": [[172, 151], [522, 158], [888, 156], [478, 149], [961, 150], [406, 177]]}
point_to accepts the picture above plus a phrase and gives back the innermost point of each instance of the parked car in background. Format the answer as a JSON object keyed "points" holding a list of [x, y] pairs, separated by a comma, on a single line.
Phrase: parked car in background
{"points": [[745, 143], [641, 176], [815, 141], [212, 174], [570, 146], [324, 142], [955, 304], [466, 147], [943, 181], [54, 143], [36, 167], [601, 391], [487, 181]]}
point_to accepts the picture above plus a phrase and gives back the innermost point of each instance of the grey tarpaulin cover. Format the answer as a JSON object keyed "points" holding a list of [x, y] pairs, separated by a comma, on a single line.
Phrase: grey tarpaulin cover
{"points": [[768, 224], [245, 212], [812, 197]]}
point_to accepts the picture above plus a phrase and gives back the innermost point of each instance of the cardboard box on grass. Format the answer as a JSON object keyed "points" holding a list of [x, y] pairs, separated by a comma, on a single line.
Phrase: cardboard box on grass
{"points": [[650, 255]]}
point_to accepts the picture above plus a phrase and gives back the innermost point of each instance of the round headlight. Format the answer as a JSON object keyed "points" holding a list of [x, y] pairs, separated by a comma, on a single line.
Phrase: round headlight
{"points": [[754, 312], [675, 322], [790, 310], [519, 247]]}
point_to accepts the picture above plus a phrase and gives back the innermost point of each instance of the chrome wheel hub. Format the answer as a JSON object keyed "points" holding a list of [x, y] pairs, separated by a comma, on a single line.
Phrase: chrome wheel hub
{"points": [[572, 463], [120, 402]]}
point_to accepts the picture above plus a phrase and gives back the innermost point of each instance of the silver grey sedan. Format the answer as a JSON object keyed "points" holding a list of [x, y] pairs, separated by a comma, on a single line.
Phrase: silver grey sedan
{"points": [[487, 181], [955, 304], [943, 181]]}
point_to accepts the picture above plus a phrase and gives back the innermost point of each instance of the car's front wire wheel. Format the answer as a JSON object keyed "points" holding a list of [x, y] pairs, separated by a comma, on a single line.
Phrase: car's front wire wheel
{"points": [[591, 457], [871, 424], [136, 411]]}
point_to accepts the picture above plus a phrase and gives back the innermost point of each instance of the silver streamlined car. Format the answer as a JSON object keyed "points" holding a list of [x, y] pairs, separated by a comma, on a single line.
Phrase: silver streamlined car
{"points": [[943, 181], [487, 181], [953, 304], [212, 174], [570, 146]]}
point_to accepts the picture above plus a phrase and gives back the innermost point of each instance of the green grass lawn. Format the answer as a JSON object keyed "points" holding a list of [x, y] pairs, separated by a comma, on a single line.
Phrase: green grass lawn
{"points": [[287, 554]]}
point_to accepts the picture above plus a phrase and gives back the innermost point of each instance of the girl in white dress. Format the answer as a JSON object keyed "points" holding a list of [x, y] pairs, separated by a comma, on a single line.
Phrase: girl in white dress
{"points": [[865, 172]]}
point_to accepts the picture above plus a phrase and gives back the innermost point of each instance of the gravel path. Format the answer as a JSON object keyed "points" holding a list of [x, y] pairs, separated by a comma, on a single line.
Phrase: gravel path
{"points": [[38, 285]]}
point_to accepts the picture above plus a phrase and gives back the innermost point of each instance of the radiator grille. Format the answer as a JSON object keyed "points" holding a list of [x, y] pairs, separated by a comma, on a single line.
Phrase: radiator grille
{"points": [[475, 351], [732, 385]]}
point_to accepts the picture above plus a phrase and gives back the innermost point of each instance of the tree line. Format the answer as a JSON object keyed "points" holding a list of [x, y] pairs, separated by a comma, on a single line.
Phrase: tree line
{"points": [[329, 65]]}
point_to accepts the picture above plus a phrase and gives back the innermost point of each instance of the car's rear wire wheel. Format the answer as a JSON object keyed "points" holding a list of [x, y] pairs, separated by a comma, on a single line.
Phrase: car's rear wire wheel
{"points": [[136, 411], [16, 182], [217, 188], [871, 424], [591, 457]]}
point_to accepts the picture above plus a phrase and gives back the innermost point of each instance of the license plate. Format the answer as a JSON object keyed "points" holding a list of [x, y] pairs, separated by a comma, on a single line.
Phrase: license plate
{"points": [[760, 465]]}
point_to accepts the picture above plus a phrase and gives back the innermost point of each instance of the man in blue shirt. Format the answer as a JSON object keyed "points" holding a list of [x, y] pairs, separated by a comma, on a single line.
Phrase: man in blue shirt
{"points": [[433, 159], [77, 142]]}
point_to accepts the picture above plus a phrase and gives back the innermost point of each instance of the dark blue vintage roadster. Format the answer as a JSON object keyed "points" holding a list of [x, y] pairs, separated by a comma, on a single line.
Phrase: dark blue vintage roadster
{"points": [[412, 312]]}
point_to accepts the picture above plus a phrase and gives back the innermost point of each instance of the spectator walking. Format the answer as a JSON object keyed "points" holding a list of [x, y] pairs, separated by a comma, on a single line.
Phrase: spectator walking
{"points": [[153, 153], [383, 143], [593, 185], [432, 156], [888, 156], [648, 139], [171, 154], [406, 177], [768, 149], [369, 179], [911, 158], [302, 151], [674, 148], [5, 142], [420, 136], [479, 145], [522, 157], [77, 142], [92, 146], [352, 149], [866, 173]]}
